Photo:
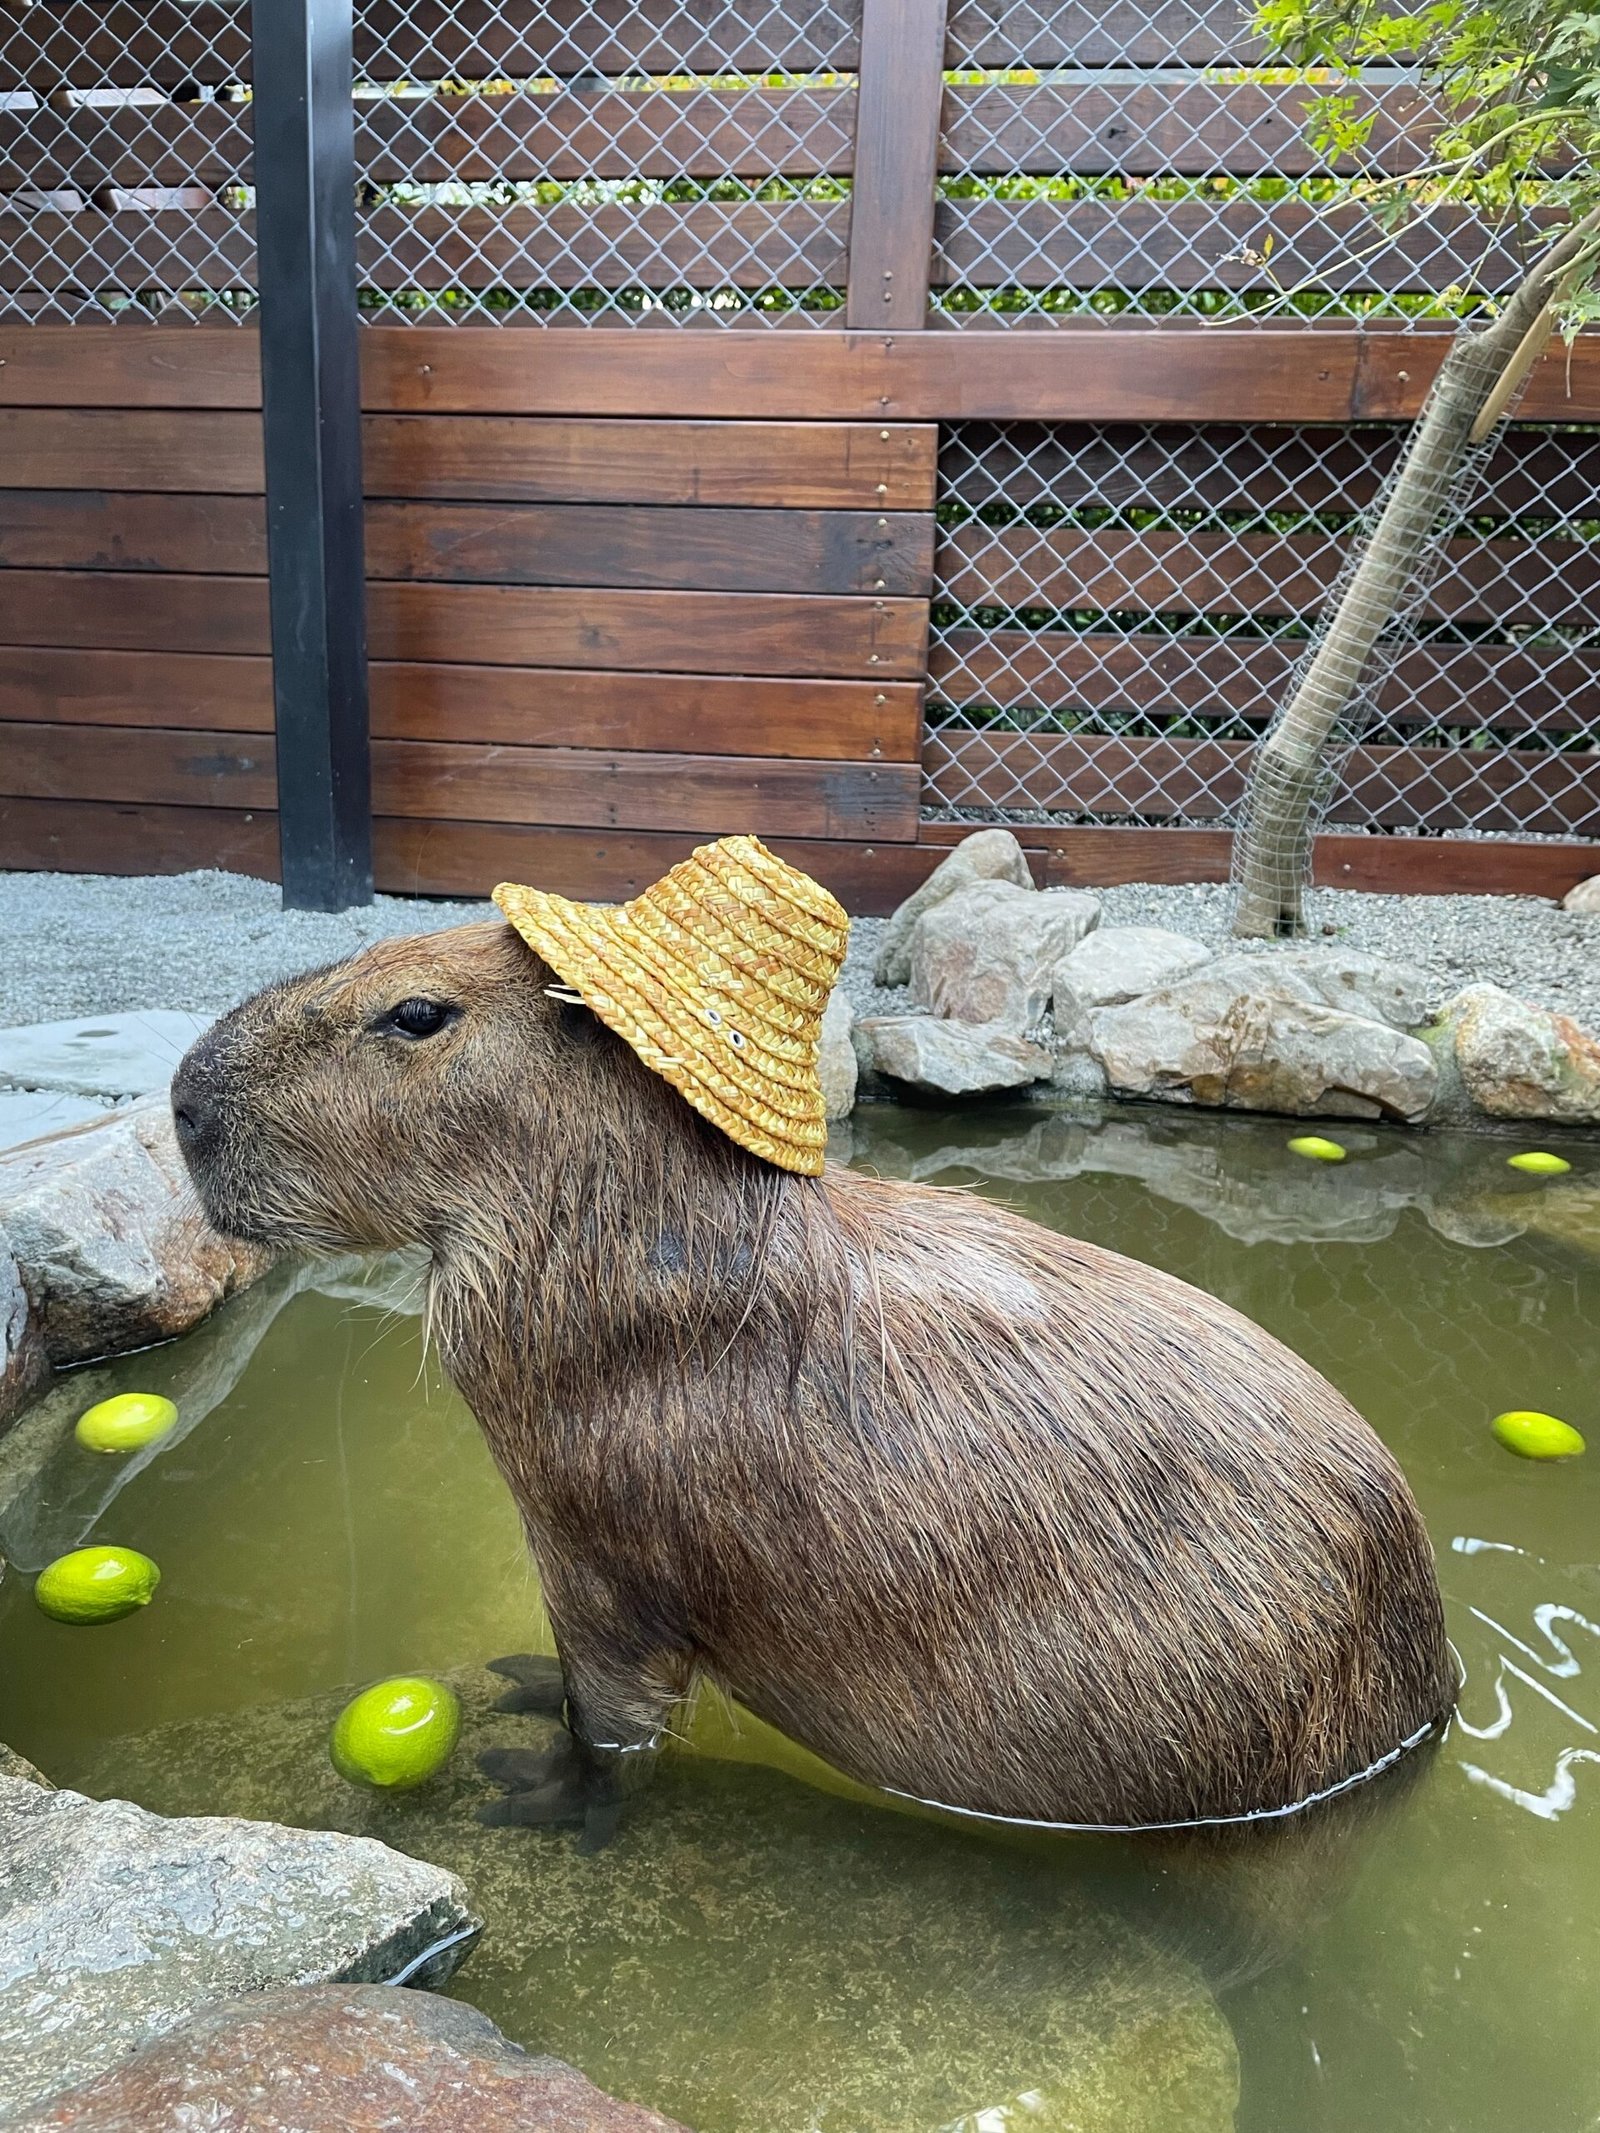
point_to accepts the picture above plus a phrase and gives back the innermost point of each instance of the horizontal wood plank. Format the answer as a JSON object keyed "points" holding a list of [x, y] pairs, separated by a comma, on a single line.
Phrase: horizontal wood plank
{"points": [[422, 858], [1090, 371], [660, 245], [1229, 467], [515, 544], [1278, 574], [752, 132], [486, 625], [810, 465], [127, 43], [1168, 125], [1141, 244], [703, 714], [440, 780], [797, 465], [1510, 793], [1512, 688], [1123, 33]]}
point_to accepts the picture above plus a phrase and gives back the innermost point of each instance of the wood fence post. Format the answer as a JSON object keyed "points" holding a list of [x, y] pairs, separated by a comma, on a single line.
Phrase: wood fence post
{"points": [[896, 163], [304, 134]]}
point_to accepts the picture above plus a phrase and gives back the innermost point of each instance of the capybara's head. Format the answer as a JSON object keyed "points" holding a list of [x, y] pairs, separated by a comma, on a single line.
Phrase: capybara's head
{"points": [[396, 1098]]}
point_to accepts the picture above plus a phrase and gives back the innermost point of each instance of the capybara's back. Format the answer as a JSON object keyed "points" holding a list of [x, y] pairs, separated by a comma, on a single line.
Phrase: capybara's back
{"points": [[1068, 1540], [979, 1513]]}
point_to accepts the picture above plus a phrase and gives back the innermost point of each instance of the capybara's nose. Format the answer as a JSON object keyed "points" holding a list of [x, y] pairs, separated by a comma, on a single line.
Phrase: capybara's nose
{"points": [[194, 1104]]}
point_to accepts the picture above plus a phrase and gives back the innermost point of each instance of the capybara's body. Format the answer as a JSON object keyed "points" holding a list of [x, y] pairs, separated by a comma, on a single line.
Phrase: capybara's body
{"points": [[978, 1513]]}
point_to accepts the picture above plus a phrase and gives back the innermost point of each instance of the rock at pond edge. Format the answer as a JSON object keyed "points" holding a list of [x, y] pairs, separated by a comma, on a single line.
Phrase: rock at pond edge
{"points": [[340, 2059], [987, 855], [118, 1924]]}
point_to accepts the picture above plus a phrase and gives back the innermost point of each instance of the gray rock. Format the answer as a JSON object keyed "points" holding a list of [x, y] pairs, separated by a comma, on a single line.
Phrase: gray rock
{"points": [[1118, 963], [948, 1058], [987, 953], [111, 1245], [1077, 1072], [116, 1925], [24, 1366], [1585, 898], [1517, 1061], [1348, 979], [102, 1055], [1209, 1040], [18, 1767], [987, 855], [31, 1114], [340, 2059], [758, 1953], [836, 1060]]}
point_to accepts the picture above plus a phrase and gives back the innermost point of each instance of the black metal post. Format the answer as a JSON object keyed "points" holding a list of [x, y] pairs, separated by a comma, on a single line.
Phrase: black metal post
{"points": [[311, 400]]}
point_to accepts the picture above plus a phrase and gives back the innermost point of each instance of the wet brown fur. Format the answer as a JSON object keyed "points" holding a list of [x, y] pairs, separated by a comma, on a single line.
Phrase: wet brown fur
{"points": [[973, 1510]]}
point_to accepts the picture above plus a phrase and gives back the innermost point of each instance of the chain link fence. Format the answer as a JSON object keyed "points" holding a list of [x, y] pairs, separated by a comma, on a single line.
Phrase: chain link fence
{"points": [[1118, 610], [125, 174], [1143, 160], [589, 162]]}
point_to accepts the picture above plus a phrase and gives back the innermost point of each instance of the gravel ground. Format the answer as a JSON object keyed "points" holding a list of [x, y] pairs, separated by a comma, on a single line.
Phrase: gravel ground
{"points": [[100, 944]]}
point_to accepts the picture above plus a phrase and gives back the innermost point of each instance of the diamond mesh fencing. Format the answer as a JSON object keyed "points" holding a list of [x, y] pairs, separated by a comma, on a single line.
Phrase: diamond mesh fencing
{"points": [[1118, 613], [125, 160], [605, 161], [1142, 159]]}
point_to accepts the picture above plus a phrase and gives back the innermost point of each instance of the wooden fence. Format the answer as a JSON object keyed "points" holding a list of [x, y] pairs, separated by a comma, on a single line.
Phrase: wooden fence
{"points": [[834, 510]]}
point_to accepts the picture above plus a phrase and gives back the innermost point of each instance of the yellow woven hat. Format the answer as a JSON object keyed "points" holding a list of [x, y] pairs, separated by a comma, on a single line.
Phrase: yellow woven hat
{"points": [[717, 976]]}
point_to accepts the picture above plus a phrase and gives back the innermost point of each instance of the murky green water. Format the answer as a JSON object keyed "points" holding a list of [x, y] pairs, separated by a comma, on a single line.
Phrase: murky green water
{"points": [[756, 1953]]}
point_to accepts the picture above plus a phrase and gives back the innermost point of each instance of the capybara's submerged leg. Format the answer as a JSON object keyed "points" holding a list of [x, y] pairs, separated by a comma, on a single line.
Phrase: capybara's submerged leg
{"points": [[612, 1688]]}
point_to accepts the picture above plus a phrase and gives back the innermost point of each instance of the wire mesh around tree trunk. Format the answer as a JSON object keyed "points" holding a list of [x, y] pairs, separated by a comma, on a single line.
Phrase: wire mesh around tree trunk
{"points": [[1118, 612], [125, 161], [585, 162]]}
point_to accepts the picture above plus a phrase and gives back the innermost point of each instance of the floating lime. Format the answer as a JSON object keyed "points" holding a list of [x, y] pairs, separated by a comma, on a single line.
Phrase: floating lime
{"points": [[125, 1423], [1539, 1164], [396, 1734], [96, 1584], [1319, 1150], [1534, 1436]]}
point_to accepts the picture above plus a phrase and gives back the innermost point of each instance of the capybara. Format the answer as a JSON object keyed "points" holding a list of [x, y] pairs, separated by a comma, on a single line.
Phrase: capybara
{"points": [[980, 1514]]}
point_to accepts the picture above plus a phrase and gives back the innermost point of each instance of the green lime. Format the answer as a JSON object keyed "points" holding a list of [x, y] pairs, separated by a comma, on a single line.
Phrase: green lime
{"points": [[96, 1584], [1539, 1164], [1534, 1436], [396, 1734], [125, 1423], [1319, 1150]]}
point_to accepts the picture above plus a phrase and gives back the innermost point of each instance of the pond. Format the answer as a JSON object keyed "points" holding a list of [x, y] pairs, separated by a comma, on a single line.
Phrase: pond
{"points": [[763, 1948]]}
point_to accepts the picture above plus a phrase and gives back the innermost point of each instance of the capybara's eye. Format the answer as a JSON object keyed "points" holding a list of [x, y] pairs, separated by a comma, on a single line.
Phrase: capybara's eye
{"points": [[418, 1018]]}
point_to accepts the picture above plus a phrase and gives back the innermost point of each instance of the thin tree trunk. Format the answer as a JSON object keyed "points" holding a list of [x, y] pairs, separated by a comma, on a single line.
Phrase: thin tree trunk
{"points": [[1275, 836]]}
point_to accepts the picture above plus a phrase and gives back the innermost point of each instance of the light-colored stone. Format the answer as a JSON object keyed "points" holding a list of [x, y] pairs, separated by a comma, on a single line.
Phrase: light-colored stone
{"points": [[24, 1366], [987, 855], [1518, 1061], [109, 1239], [116, 1925], [836, 1059], [33, 1114], [339, 2059], [1585, 898], [948, 1058], [1117, 963], [1211, 1041], [987, 953], [1348, 979], [1077, 1072], [100, 1055]]}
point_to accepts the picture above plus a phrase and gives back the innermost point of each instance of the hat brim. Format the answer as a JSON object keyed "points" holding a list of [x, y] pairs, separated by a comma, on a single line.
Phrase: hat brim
{"points": [[704, 981]]}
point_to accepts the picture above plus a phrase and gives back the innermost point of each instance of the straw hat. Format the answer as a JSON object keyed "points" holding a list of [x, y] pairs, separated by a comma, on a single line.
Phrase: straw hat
{"points": [[717, 976]]}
